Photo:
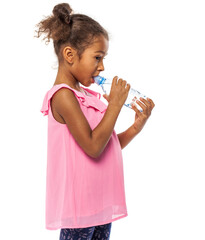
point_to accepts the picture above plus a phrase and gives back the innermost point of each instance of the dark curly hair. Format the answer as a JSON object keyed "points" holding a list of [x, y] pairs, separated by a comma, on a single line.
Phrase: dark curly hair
{"points": [[66, 28]]}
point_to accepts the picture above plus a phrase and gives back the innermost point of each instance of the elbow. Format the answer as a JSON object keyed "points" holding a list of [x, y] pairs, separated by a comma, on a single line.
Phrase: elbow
{"points": [[94, 155], [94, 152]]}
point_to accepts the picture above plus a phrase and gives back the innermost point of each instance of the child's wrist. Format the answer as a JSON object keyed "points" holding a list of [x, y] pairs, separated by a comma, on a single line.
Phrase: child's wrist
{"points": [[115, 106], [135, 129]]}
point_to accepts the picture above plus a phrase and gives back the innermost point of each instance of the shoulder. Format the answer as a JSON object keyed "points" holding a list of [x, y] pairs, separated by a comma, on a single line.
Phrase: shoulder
{"points": [[63, 94], [63, 91], [64, 99]]}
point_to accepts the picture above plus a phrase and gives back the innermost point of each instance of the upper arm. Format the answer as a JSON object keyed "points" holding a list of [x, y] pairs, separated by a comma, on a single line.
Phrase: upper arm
{"points": [[66, 104]]}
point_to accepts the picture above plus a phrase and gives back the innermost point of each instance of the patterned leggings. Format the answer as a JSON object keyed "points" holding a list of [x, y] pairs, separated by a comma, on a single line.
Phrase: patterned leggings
{"points": [[101, 232]]}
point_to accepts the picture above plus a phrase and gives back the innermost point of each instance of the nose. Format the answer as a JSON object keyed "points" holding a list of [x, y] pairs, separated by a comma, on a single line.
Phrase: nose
{"points": [[101, 66]]}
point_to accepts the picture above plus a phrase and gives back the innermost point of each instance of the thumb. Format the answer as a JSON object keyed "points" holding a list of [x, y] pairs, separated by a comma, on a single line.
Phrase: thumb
{"points": [[106, 97]]}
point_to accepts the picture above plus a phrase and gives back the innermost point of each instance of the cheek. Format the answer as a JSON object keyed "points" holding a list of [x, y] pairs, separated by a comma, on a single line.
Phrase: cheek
{"points": [[92, 65], [88, 66]]}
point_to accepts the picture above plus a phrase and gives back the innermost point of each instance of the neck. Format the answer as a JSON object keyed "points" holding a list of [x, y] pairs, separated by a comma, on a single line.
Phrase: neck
{"points": [[65, 76]]}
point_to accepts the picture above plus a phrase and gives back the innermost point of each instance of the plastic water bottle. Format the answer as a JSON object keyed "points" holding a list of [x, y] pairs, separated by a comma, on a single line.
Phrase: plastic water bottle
{"points": [[133, 95]]}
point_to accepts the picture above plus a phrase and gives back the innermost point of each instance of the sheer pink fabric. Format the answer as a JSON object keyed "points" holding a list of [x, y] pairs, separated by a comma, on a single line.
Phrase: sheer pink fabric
{"points": [[81, 191]]}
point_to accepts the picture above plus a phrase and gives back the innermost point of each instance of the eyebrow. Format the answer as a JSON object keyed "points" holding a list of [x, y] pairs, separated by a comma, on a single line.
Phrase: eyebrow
{"points": [[101, 52]]}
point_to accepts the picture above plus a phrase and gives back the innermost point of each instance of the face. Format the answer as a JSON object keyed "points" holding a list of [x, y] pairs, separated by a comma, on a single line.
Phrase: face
{"points": [[91, 62]]}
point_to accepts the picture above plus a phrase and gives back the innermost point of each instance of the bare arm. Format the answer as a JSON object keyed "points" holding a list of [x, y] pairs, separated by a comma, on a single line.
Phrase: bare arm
{"points": [[91, 141], [126, 137], [140, 120]]}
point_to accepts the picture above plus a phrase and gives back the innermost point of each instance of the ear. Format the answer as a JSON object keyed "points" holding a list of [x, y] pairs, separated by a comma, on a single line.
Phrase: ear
{"points": [[69, 54]]}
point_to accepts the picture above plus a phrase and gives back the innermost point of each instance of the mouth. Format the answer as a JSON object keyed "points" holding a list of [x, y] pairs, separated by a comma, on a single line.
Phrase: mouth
{"points": [[96, 74], [93, 81]]}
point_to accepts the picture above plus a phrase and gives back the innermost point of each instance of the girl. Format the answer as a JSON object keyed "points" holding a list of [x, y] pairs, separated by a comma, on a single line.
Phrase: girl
{"points": [[85, 184]]}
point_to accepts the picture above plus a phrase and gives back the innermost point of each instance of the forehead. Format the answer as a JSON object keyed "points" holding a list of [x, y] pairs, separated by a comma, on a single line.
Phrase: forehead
{"points": [[100, 44]]}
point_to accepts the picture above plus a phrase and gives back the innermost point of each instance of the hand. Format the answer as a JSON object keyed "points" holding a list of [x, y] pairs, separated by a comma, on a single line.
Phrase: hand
{"points": [[106, 97], [141, 117], [118, 93]]}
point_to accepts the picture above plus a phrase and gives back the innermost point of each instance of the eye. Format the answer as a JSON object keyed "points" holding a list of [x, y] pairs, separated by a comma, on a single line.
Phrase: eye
{"points": [[98, 58]]}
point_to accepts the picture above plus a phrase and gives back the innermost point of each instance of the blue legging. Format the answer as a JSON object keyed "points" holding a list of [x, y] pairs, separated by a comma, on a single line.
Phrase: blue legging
{"points": [[101, 232]]}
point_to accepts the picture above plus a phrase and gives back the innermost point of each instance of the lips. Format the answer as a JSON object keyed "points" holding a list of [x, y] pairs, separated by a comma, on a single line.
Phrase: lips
{"points": [[93, 81]]}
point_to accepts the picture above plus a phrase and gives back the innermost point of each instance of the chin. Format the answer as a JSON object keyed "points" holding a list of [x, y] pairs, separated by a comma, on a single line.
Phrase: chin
{"points": [[88, 84]]}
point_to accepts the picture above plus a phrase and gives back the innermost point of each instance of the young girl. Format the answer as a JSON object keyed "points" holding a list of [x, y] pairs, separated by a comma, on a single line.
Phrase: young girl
{"points": [[85, 184]]}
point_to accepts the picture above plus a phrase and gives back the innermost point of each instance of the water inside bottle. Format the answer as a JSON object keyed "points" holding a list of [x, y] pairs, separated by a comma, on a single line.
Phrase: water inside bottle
{"points": [[132, 96]]}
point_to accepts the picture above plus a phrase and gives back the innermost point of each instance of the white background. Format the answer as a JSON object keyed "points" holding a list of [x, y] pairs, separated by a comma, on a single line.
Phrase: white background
{"points": [[159, 48]]}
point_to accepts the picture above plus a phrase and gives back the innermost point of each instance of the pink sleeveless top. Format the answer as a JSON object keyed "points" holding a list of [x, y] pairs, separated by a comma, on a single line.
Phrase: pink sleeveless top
{"points": [[81, 191]]}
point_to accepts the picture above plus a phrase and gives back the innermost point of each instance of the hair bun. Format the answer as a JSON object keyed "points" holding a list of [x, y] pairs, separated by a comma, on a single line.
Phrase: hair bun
{"points": [[63, 12]]}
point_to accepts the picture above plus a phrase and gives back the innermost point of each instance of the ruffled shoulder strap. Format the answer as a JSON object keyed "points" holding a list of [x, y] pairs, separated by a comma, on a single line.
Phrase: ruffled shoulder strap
{"points": [[84, 100], [96, 94]]}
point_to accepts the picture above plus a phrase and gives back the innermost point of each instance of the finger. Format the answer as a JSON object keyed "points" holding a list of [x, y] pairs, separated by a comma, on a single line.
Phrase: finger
{"points": [[134, 107], [144, 108], [146, 102], [128, 87], [152, 103], [106, 97], [119, 82], [114, 81], [124, 83]]}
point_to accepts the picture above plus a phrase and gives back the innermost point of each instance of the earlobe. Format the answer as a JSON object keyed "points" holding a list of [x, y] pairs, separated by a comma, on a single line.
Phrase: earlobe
{"points": [[68, 54]]}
